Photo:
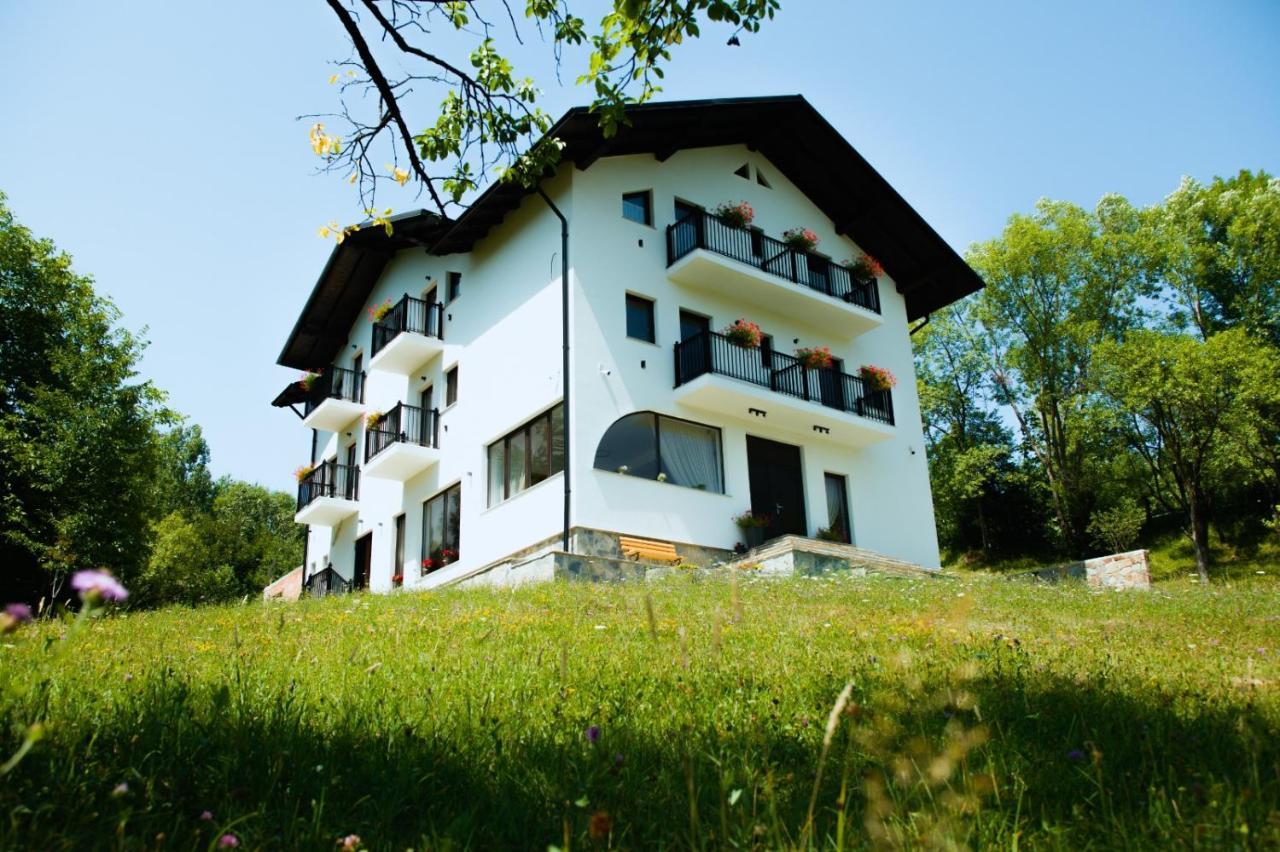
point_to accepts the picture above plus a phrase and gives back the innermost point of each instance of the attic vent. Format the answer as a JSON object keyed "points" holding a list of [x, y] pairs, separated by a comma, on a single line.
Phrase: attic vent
{"points": [[743, 171], [760, 180]]}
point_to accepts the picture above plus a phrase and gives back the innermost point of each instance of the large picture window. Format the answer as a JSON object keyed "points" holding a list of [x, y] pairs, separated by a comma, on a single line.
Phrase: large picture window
{"points": [[440, 525], [653, 446], [527, 456]]}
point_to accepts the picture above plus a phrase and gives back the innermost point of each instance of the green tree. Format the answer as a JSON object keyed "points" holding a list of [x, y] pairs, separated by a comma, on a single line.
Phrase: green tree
{"points": [[1057, 283], [1183, 405], [77, 427], [1218, 253], [488, 116]]}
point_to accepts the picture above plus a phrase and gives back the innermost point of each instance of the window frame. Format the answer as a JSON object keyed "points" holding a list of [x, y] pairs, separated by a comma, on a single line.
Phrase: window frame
{"points": [[524, 434], [651, 308], [647, 195], [452, 286]]}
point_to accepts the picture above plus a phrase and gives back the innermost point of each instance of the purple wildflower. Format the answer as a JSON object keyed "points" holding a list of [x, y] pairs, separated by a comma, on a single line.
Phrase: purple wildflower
{"points": [[592, 734], [350, 843], [1075, 755], [98, 585], [14, 614], [206, 816], [228, 841]]}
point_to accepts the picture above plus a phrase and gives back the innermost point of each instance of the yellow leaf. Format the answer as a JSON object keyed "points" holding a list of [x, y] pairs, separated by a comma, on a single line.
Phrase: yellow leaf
{"points": [[333, 79]]}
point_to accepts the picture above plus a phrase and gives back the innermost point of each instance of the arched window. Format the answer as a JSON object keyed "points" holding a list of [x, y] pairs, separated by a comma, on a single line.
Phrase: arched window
{"points": [[668, 449]]}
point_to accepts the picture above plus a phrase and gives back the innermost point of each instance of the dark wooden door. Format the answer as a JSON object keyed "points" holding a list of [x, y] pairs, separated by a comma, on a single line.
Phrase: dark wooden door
{"points": [[364, 560], [831, 384], [777, 486]]}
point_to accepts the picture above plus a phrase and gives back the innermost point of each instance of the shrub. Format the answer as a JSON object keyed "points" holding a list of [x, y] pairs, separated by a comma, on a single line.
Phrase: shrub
{"points": [[1118, 527]]}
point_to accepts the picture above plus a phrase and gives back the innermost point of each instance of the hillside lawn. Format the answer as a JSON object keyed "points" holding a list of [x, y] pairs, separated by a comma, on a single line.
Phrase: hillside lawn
{"points": [[685, 712]]}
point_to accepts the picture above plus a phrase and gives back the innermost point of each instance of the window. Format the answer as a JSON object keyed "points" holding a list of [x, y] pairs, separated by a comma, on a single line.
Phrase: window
{"points": [[527, 456], [743, 171], [397, 572], [454, 284], [640, 318], [451, 386], [440, 526], [636, 206], [766, 351], [837, 507], [691, 325], [652, 446], [684, 210], [761, 180]]}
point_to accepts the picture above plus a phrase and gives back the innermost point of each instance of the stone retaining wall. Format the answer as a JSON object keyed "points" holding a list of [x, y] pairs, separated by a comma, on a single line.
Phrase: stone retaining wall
{"points": [[1131, 570]]}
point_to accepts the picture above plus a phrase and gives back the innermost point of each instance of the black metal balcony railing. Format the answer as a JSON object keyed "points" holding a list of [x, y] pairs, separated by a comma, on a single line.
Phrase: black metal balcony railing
{"points": [[710, 352], [335, 383], [329, 479], [412, 315], [327, 581], [404, 423], [701, 230]]}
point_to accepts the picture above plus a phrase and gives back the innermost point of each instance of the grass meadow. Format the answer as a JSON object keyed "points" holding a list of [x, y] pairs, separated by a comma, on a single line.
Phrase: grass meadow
{"points": [[692, 712]]}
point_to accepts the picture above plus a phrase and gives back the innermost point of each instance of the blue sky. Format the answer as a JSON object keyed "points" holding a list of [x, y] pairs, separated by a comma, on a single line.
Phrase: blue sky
{"points": [[161, 148]]}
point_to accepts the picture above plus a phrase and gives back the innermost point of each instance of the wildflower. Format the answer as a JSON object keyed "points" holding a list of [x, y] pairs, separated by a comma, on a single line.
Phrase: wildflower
{"points": [[350, 843], [592, 734], [600, 825], [228, 841], [206, 816], [14, 614], [119, 790], [1075, 756], [98, 586]]}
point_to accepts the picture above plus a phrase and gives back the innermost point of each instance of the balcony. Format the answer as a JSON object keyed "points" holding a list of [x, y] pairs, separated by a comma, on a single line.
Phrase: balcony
{"points": [[328, 494], [706, 254], [410, 334], [718, 376], [336, 398], [405, 442]]}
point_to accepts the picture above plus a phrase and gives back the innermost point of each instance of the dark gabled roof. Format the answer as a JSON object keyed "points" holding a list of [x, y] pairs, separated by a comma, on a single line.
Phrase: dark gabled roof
{"points": [[347, 280], [787, 130]]}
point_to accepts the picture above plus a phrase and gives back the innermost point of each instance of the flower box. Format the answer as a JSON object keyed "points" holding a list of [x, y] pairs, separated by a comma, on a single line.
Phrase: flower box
{"points": [[378, 312], [877, 378], [815, 358], [800, 238], [864, 269], [744, 333], [738, 215]]}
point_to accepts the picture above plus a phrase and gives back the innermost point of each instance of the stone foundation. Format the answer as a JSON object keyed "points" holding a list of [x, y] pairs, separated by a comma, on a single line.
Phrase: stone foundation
{"points": [[1130, 570]]}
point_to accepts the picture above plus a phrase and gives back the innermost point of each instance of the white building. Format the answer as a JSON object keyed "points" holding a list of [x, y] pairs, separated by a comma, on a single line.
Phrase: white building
{"points": [[672, 429]]}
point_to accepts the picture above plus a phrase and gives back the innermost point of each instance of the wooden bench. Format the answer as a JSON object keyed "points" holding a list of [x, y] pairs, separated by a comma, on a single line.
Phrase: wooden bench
{"points": [[643, 548]]}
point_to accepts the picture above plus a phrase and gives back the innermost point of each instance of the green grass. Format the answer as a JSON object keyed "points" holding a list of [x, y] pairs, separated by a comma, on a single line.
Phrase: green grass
{"points": [[983, 712]]}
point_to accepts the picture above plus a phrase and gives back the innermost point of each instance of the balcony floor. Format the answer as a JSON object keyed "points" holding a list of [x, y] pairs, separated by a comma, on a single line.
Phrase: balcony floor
{"points": [[401, 461], [728, 397], [406, 352], [326, 511], [333, 414], [705, 270]]}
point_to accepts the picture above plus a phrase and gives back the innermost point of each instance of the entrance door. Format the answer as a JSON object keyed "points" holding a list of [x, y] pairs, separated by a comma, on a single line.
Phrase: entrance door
{"points": [[364, 560], [777, 486], [695, 358]]}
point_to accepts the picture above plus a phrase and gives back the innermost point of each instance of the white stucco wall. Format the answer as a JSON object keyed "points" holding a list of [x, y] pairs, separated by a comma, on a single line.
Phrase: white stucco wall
{"points": [[504, 333], [891, 506]]}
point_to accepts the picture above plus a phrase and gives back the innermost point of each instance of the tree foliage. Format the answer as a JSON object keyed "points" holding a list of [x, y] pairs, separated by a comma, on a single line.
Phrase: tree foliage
{"points": [[1131, 351], [96, 471], [488, 117]]}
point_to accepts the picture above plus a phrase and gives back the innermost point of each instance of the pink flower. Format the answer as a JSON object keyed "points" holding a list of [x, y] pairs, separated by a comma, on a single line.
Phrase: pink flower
{"points": [[206, 816], [350, 843], [228, 841], [98, 585]]}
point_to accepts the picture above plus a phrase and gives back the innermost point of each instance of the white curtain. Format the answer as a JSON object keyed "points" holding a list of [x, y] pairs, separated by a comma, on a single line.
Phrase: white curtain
{"points": [[689, 454]]}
